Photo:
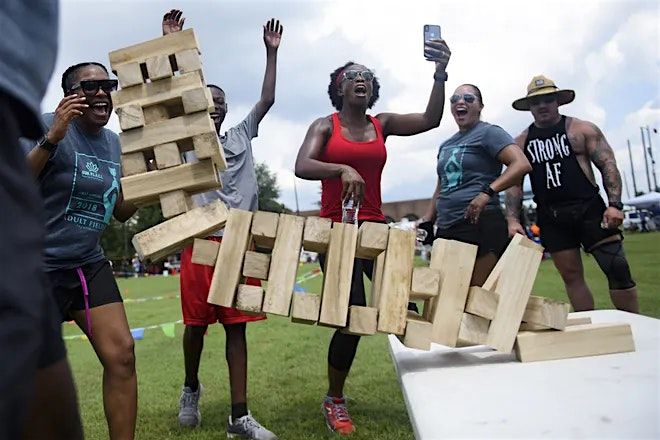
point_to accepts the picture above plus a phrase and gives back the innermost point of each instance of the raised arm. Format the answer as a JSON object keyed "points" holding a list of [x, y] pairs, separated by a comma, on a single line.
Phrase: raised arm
{"points": [[272, 37], [514, 195], [414, 123], [602, 155], [309, 167]]}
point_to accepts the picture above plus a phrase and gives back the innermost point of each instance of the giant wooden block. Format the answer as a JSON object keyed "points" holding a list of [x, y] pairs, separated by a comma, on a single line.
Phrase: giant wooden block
{"points": [[317, 234], [155, 113], [455, 262], [510, 253], [130, 116], [170, 130], [337, 275], [547, 312], [284, 264], [395, 286], [227, 273], [207, 145], [482, 302], [174, 234], [249, 298], [473, 330], [205, 252], [574, 341], [133, 163], [159, 67], [571, 320], [256, 265], [264, 228], [425, 283], [165, 91], [166, 45], [192, 177], [372, 240], [418, 332], [167, 155], [196, 100], [514, 287], [129, 75], [377, 279], [362, 321], [188, 60], [175, 203], [305, 308]]}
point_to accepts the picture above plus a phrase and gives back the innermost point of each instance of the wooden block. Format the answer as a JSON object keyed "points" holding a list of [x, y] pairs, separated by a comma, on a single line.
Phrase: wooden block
{"points": [[129, 75], [514, 287], [456, 261], [167, 155], [256, 265], [205, 252], [188, 60], [166, 45], [305, 308], [547, 312], [174, 234], [197, 100], [227, 273], [192, 177], [130, 116], [577, 320], [372, 240], [362, 321], [164, 91], [317, 234], [170, 130], [208, 145], [575, 341], [482, 302], [159, 67], [425, 283], [526, 326], [175, 203], [377, 280], [264, 229], [284, 264], [249, 298], [337, 275], [509, 253], [473, 330], [155, 113], [397, 278], [418, 332], [133, 163]]}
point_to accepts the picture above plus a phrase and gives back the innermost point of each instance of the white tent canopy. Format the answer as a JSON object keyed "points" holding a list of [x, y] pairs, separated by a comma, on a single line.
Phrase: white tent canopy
{"points": [[645, 201]]}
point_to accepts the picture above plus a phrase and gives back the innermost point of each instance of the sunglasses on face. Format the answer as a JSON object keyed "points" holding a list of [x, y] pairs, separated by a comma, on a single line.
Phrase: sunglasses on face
{"points": [[91, 87], [467, 97], [545, 99], [352, 75]]}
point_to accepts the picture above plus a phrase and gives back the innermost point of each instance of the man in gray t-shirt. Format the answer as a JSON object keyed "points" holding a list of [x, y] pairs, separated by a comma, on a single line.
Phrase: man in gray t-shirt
{"points": [[239, 190]]}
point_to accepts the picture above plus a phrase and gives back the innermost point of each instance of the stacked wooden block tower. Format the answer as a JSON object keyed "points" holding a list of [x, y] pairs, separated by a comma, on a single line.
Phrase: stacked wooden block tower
{"points": [[163, 108]]}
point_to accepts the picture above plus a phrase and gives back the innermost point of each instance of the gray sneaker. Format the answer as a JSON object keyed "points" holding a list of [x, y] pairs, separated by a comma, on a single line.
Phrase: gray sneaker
{"points": [[248, 427], [189, 414]]}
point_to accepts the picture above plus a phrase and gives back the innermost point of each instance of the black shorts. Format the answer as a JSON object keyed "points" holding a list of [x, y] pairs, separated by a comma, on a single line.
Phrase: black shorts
{"points": [[490, 234], [569, 225], [68, 291]]}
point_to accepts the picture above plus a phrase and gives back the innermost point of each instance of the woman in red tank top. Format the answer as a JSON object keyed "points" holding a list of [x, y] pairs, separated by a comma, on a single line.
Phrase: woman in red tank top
{"points": [[346, 152]]}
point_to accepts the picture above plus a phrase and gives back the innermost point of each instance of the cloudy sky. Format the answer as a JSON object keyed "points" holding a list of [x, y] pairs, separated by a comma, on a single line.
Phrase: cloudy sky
{"points": [[607, 51]]}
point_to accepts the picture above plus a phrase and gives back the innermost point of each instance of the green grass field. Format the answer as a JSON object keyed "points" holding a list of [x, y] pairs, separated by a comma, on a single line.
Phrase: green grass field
{"points": [[287, 362]]}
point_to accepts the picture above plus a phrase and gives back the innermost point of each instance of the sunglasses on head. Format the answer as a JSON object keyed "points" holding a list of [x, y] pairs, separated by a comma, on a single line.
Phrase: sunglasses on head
{"points": [[467, 97], [546, 99], [91, 87], [352, 75]]}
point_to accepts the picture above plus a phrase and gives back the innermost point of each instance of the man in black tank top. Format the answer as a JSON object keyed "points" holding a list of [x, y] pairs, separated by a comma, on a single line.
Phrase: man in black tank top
{"points": [[570, 210]]}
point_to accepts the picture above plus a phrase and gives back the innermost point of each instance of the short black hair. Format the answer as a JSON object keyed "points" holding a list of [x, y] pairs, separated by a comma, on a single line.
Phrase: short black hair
{"points": [[333, 88], [476, 90], [69, 74], [215, 87]]}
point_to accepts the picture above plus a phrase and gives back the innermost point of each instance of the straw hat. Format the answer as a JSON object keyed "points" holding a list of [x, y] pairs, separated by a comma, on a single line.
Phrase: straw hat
{"points": [[542, 85]]}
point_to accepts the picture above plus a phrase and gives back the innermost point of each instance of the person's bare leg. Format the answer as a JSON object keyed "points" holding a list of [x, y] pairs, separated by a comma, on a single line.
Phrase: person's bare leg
{"points": [[569, 265], [482, 268], [193, 344], [625, 299], [114, 346], [53, 409], [236, 354]]}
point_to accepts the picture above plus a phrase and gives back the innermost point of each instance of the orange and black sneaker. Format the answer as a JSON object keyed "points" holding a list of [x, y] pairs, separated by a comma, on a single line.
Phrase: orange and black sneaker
{"points": [[336, 415]]}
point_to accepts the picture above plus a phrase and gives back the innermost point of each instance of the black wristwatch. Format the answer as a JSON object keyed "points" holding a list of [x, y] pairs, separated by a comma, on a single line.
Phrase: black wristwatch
{"points": [[617, 205], [46, 144], [441, 76], [488, 190]]}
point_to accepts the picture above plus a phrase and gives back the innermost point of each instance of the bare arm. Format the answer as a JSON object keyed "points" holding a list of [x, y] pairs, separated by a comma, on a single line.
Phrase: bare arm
{"points": [[602, 155], [272, 37], [414, 123], [37, 159], [514, 195], [517, 166], [123, 209]]}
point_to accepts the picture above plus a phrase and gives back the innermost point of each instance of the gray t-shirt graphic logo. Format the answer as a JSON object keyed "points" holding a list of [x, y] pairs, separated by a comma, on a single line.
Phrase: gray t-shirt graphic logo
{"points": [[453, 166]]}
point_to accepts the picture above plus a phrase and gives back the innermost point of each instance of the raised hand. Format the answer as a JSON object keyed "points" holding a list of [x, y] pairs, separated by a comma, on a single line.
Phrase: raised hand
{"points": [[273, 34], [69, 108], [173, 21], [438, 51]]}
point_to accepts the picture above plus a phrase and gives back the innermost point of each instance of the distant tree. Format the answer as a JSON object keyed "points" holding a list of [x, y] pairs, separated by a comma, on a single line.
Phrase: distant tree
{"points": [[269, 190]]}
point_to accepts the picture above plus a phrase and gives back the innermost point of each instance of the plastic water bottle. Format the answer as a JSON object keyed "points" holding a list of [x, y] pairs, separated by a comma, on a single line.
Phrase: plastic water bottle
{"points": [[349, 211]]}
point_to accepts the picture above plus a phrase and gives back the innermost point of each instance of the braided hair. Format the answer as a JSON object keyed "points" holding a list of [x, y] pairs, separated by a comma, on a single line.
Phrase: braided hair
{"points": [[333, 88]]}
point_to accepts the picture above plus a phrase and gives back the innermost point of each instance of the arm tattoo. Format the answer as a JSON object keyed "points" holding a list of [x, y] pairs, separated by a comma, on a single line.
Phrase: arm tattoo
{"points": [[602, 156], [513, 202]]}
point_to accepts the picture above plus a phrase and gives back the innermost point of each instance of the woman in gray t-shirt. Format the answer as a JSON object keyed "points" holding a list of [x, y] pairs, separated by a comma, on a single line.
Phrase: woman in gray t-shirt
{"points": [[465, 206]]}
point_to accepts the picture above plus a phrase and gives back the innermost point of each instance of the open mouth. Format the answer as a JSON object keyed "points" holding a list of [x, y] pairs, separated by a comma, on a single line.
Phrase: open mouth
{"points": [[461, 111], [100, 108], [360, 90]]}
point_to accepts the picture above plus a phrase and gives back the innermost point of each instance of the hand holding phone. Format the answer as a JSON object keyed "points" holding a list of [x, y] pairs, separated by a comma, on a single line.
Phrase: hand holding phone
{"points": [[435, 49]]}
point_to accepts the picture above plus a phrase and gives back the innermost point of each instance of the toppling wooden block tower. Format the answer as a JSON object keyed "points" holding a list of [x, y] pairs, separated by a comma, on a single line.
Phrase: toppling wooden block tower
{"points": [[163, 108]]}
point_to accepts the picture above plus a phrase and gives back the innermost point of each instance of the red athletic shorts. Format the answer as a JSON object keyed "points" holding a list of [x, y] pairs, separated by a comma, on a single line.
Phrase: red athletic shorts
{"points": [[195, 285]]}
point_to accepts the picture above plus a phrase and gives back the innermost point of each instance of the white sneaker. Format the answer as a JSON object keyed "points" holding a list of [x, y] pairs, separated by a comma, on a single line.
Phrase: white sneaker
{"points": [[189, 414], [247, 427]]}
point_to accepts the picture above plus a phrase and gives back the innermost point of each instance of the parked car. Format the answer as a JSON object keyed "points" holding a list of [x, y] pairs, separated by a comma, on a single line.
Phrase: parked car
{"points": [[633, 220]]}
